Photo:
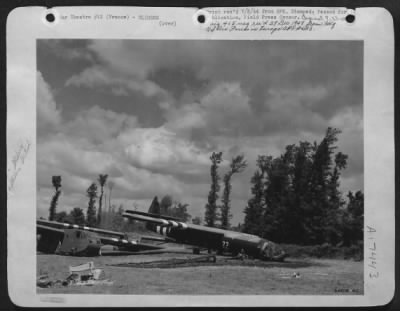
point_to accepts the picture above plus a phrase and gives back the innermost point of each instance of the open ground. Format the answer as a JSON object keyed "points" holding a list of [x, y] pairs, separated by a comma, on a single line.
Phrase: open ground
{"points": [[308, 276]]}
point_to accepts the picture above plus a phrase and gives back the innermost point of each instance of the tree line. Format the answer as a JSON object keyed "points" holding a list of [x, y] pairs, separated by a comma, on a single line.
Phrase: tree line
{"points": [[295, 196], [93, 216], [221, 212], [111, 219]]}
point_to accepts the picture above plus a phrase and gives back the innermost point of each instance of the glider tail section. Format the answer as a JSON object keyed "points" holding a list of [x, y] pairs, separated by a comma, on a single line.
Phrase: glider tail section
{"points": [[155, 207]]}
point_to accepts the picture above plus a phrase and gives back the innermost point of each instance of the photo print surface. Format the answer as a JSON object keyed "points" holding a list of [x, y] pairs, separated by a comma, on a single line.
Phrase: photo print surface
{"points": [[256, 137]]}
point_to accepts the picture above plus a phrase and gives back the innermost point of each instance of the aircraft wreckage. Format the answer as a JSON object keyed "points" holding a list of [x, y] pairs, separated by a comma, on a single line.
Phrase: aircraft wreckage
{"points": [[75, 240], [68, 239]]}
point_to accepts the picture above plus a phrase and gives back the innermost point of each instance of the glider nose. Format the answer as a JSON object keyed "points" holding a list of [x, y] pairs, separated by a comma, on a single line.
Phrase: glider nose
{"points": [[272, 251], [280, 256]]}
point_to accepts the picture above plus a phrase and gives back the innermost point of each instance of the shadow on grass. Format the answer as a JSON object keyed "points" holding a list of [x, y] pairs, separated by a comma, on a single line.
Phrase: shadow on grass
{"points": [[172, 263]]}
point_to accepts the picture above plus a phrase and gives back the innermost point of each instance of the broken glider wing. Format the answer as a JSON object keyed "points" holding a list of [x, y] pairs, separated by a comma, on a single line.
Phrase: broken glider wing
{"points": [[69, 239], [61, 225], [129, 245], [154, 215], [190, 234], [160, 220]]}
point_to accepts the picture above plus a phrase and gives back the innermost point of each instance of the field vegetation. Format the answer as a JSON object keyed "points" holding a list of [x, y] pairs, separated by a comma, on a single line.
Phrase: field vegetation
{"points": [[294, 277]]}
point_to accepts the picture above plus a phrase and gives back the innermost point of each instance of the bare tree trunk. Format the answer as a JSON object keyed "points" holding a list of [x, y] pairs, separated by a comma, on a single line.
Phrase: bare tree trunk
{"points": [[109, 201]]}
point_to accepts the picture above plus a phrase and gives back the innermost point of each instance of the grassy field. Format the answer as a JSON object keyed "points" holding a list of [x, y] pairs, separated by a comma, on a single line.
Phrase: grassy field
{"points": [[314, 276]]}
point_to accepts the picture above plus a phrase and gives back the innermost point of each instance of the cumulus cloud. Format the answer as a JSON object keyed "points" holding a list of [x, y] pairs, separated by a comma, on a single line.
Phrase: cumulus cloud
{"points": [[224, 110], [80, 163], [62, 153], [161, 150], [142, 162], [64, 50], [288, 110], [99, 125], [178, 101], [100, 76], [254, 63]]}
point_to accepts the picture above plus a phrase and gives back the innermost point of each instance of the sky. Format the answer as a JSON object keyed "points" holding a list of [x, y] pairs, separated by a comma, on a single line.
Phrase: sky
{"points": [[149, 113]]}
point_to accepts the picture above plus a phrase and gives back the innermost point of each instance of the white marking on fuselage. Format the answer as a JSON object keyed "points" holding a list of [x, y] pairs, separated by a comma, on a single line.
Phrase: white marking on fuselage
{"points": [[86, 228], [174, 223], [75, 226]]}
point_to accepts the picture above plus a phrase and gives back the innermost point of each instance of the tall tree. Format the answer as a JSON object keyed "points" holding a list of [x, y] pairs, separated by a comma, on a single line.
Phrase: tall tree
{"points": [[353, 222], [165, 204], [102, 181], [332, 226], [196, 220], [277, 195], [61, 217], [110, 185], [56, 181], [77, 216], [238, 164], [255, 209], [321, 190], [91, 211], [154, 206], [301, 204], [118, 219], [298, 194], [211, 207], [179, 210]]}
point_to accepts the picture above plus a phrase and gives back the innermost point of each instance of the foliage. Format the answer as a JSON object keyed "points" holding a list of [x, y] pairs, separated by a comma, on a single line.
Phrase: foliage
{"points": [[110, 186], [102, 181], [154, 206], [56, 181], [197, 220], [296, 196], [91, 218], [179, 210], [211, 206], [253, 222], [174, 209], [116, 222], [62, 217], [165, 204], [238, 164], [77, 216], [353, 218], [325, 250]]}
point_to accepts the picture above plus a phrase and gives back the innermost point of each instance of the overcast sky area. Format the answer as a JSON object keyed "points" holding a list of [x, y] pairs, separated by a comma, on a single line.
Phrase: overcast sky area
{"points": [[150, 113]]}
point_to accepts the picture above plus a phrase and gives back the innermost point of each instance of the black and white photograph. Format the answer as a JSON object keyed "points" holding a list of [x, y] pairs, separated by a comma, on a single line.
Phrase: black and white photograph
{"points": [[226, 167], [156, 158]]}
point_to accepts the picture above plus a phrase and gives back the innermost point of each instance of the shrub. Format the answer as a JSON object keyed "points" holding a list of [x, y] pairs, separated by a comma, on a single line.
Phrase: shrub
{"points": [[325, 250]]}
